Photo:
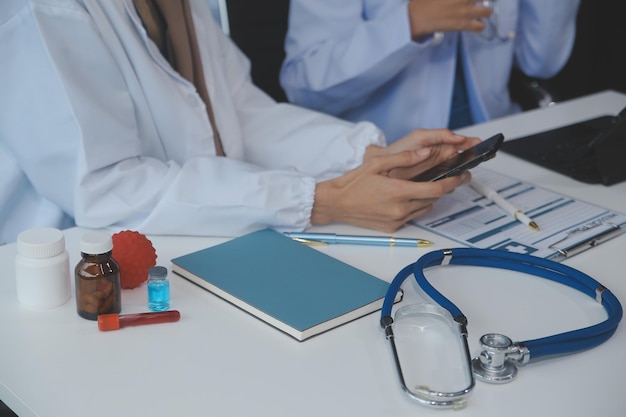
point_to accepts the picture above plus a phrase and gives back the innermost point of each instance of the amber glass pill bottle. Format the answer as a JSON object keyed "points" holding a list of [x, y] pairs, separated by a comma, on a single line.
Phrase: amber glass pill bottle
{"points": [[97, 277]]}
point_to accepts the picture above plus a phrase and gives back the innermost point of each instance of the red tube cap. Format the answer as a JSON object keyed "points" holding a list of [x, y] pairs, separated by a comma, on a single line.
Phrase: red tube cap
{"points": [[108, 322]]}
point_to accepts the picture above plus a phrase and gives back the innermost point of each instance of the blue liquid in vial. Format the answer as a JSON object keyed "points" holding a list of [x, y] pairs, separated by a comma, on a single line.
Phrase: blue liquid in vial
{"points": [[159, 295]]}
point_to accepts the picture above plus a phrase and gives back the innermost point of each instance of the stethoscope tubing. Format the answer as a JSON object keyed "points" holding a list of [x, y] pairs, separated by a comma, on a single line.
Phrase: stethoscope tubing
{"points": [[562, 343]]}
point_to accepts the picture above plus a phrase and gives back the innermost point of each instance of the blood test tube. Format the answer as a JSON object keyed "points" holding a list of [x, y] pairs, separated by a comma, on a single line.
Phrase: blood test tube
{"points": [[116, 321]]}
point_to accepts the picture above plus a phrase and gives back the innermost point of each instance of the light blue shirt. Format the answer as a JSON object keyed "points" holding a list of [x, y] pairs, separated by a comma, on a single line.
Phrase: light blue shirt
{"points": [[356, 59]]}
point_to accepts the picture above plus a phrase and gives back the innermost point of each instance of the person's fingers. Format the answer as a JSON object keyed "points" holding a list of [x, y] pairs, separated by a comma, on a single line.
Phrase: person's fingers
{"points": [[386, 163], [429, 16], [429, 194], [433, 137], [451, 183], [434, 190]]}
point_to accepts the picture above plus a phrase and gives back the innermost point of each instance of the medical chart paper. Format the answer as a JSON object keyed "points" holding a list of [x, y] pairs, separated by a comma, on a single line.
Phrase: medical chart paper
{"points": [[567, 225]]}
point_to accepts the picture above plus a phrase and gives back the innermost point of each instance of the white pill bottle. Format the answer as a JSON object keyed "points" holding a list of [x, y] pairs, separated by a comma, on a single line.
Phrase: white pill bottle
{"points": [[42, 268]]}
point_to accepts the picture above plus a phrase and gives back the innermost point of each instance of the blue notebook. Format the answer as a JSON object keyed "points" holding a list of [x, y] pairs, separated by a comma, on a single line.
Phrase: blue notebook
{"points": [[293, 287]]}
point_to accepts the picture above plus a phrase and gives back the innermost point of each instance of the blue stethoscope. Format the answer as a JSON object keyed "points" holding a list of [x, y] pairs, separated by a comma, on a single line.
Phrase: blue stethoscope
{"points": [[497, 363]]}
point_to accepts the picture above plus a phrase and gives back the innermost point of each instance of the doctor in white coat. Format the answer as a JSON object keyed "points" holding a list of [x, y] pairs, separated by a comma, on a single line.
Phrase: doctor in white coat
{"points": [[97, 129]]}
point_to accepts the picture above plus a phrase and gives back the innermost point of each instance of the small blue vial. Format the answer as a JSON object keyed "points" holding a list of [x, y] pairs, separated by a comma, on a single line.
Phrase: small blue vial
{"points": [[158, 289]]}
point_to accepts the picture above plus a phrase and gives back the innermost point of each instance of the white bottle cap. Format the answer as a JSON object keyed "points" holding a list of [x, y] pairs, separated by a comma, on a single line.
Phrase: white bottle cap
{"points": [[96, 243], [40, 243]]}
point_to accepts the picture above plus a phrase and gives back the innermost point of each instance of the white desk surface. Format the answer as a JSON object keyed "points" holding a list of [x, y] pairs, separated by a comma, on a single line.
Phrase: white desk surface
{"points": [[219, 361]]}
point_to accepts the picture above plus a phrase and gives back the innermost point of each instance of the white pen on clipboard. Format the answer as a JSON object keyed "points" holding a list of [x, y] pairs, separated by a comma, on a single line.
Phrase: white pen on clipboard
{"points": [[497, 199]]}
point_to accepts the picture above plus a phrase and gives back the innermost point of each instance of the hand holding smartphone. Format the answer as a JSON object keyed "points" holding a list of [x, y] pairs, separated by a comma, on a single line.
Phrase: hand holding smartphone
{"points": [[462, 161]]}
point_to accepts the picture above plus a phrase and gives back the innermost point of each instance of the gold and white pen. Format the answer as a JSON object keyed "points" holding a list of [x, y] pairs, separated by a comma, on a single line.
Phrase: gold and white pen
{"points": [[497, 199]]}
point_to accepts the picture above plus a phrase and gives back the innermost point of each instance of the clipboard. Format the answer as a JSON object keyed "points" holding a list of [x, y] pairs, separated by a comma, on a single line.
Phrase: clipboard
{"points": [[568, 226]]}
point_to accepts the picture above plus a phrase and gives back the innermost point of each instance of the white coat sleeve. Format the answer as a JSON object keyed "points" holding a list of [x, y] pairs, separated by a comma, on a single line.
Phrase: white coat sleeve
{"points": [[335, 59]]}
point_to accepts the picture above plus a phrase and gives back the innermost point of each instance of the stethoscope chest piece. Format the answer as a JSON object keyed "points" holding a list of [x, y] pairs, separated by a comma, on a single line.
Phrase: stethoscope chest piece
{"points": [[493, 365]]}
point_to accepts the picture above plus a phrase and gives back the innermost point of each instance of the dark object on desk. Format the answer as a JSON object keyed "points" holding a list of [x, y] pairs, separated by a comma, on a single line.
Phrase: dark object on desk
{"points": [[5, 411], [593, 151]]}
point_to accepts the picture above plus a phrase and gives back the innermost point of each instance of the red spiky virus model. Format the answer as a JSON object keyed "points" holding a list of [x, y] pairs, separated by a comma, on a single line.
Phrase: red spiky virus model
{"points": [[135, 255]]}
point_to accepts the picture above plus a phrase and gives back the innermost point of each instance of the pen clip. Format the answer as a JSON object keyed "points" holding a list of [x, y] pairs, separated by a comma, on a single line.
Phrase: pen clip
{"points": [[590, 237], [309, 242]]}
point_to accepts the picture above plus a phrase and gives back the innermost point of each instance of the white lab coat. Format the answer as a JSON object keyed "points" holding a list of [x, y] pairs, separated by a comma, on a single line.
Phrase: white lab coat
{"points": [[97, 128]]}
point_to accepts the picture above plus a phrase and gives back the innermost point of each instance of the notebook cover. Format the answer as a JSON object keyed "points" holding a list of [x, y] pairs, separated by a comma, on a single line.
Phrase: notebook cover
{"points": [[297, 289]]}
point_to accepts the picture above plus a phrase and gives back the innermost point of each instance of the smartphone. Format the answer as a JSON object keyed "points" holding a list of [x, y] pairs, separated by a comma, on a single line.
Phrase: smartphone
{"points": [[462, 161]]}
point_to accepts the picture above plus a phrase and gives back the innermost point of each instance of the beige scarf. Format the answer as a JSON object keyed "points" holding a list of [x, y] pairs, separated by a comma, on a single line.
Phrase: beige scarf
{"points": [[170, 26]]}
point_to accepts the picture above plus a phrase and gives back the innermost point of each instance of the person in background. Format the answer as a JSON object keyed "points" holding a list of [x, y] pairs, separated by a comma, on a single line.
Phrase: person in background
{"points": [[427, 63], [141, 115]]}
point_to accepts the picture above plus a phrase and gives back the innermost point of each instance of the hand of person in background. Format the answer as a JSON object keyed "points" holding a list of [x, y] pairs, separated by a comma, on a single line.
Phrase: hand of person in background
{"points": [[430, 16], [377, 195]]}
